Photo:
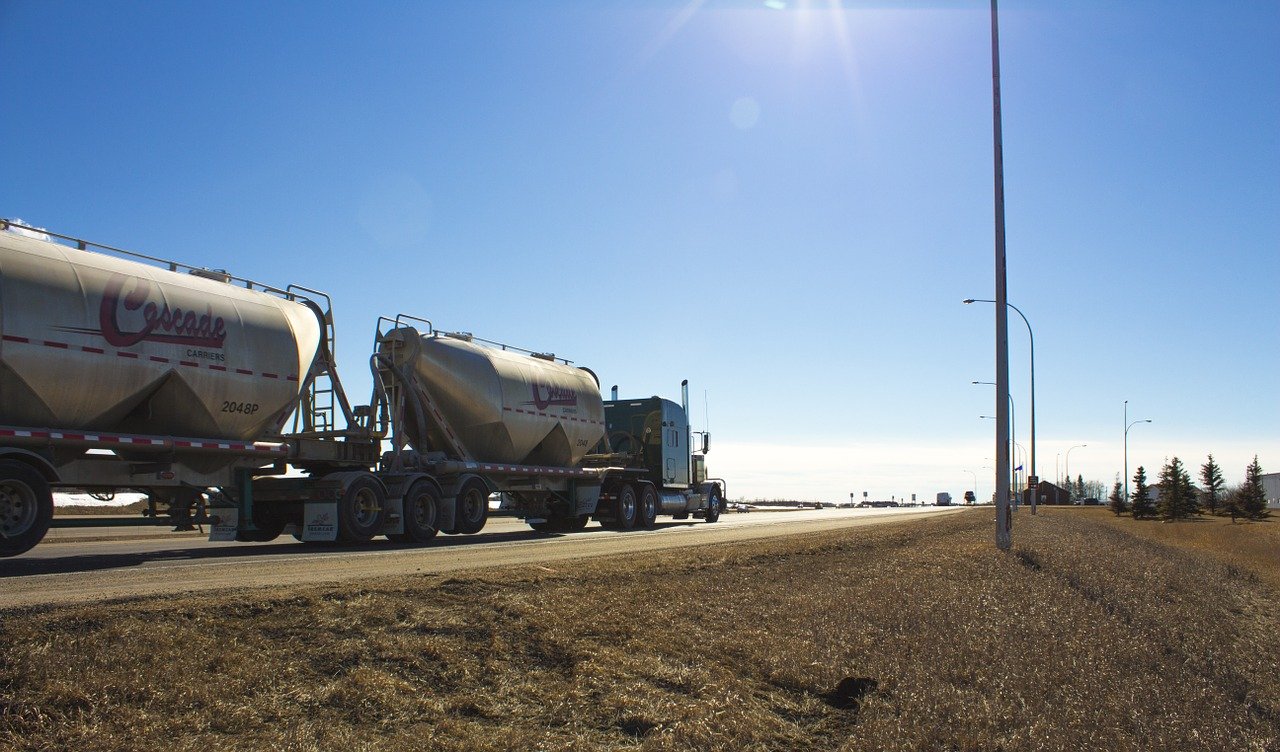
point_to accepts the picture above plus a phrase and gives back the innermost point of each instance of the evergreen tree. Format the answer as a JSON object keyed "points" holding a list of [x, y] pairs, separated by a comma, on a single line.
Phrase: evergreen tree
{"points": [[1140, 501], [1117, 498], [1253, 499], [1211, 477], [1177, 495], [1079, 494]]}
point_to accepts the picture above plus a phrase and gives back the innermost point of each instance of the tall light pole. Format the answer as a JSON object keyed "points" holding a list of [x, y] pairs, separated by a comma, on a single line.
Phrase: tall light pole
{"points": [[1004, 519], [1077, 446], [1032, 338], [1127, 426]]}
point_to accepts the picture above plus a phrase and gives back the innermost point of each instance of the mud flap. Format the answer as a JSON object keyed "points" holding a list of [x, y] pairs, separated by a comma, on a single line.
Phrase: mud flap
{"points": [[227, 526], [320, 521], [447, 513]]}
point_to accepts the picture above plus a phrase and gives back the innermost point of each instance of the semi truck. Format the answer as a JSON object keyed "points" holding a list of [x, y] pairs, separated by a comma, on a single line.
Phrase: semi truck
{"points": [[219, 398]]}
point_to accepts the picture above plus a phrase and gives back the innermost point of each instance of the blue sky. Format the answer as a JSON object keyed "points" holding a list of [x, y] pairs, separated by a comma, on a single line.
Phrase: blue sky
{"points": [[785, 207]]}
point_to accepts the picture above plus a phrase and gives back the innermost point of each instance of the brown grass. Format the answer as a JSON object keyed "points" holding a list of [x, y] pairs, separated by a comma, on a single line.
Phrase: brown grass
{"points": [[1083, 637], [1249, 545]]}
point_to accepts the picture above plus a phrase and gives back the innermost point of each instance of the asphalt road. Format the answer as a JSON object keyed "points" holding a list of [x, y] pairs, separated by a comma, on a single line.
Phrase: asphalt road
{"points": [[76, 566]]}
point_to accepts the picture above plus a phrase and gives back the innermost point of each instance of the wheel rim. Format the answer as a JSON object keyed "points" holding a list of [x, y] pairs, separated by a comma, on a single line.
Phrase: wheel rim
{"points": [[365, 507], [628, 506], [18, 508], [473, 505], [424, 511]]}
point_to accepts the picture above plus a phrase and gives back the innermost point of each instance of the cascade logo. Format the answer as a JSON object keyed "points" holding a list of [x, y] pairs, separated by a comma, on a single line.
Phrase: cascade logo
{"points": [[545, 395], [159, 322]]}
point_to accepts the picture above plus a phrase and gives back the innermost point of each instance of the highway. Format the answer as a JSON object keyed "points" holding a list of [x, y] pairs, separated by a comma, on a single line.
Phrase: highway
{"points": [[85, 565]]}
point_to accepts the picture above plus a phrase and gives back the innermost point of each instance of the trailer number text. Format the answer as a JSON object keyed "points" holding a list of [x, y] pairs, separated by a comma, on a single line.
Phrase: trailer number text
{"points": [[247, 408]]}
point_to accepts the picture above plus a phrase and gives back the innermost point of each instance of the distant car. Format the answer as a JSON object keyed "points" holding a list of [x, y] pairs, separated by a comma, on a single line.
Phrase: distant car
{"points": [[1091, 502]]}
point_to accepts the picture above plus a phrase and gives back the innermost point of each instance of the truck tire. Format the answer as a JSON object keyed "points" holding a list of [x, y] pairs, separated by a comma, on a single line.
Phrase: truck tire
{"points": [[361, 510], [421, 514], [715, 505], [473, 507], [647, 515], [625, 508], [576, 524], [26, 507]]}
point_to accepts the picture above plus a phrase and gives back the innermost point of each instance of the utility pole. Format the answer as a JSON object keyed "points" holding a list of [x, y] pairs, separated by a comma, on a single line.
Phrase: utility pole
{"points": [[1004, 516]]}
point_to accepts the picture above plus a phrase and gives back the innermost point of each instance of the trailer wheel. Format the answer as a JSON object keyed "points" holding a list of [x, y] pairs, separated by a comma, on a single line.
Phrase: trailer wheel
{"points": [[421, 514], [647, 515], [361, 510], [473, 507], [715, 504], [269, 526], [625, 508], [26, 507]]}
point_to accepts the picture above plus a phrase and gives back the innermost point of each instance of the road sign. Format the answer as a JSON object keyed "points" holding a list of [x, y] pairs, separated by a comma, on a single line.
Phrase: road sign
{"points": [[1033, 481]]}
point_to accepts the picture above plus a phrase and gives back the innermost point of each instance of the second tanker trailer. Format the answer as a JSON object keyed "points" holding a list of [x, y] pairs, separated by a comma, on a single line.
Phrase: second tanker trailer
{"points": [[535, 429]]}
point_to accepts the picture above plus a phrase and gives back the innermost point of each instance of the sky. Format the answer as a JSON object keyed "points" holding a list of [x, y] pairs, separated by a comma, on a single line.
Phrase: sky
{"points": [[783, 202]]}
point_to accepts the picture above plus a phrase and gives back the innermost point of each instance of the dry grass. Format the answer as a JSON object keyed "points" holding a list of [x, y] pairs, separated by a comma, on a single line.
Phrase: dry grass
{"points": [[1084, 637], [1247, 545]]}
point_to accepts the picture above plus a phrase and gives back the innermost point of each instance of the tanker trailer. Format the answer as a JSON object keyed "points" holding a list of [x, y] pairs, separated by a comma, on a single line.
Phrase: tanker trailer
{"points": [[475, 416], [106, 361], [485, 417]]}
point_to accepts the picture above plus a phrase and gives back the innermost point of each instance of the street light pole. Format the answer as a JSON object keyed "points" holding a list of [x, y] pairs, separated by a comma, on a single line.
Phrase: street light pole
{"points": [[1126, 448], [1077, 446], [1004, 518], [1031, 337], [1013, 436]]}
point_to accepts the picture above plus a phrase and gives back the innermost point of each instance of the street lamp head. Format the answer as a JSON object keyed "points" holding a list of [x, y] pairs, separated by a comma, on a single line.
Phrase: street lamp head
{"points": [[967, 301]]}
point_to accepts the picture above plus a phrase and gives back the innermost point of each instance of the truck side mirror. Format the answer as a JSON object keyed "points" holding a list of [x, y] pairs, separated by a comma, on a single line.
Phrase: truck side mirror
{"points": [[706, 442]]}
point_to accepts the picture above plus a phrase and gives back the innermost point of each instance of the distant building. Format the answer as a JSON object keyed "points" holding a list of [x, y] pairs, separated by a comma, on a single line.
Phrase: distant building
{"points": [[1271, 489], [1047, 493]]}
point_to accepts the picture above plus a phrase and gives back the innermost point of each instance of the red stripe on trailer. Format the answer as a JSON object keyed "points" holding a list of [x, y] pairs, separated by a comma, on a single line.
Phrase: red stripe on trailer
{"points": [[13, 338], [123, 354], [270, 375], [58, 345], [217, 368], [292, 378], [158, 359], [243, 372], [95, 350]]}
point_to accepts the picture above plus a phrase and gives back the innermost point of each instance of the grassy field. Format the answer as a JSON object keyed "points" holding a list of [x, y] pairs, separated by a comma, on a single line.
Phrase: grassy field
{"points": [[1093, 634]]}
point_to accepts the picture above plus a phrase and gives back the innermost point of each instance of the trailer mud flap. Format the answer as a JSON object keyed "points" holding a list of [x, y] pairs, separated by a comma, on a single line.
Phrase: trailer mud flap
{"points": [[320, 521], [227, 526]]}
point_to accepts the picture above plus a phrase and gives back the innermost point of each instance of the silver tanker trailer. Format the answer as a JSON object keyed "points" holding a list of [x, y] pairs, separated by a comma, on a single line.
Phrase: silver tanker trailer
{"points": [[469, 417], [119, 371], [123, 372]]}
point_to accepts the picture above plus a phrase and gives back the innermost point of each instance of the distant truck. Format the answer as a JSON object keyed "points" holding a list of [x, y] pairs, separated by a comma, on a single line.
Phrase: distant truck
{"points": [[944, 499]]}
